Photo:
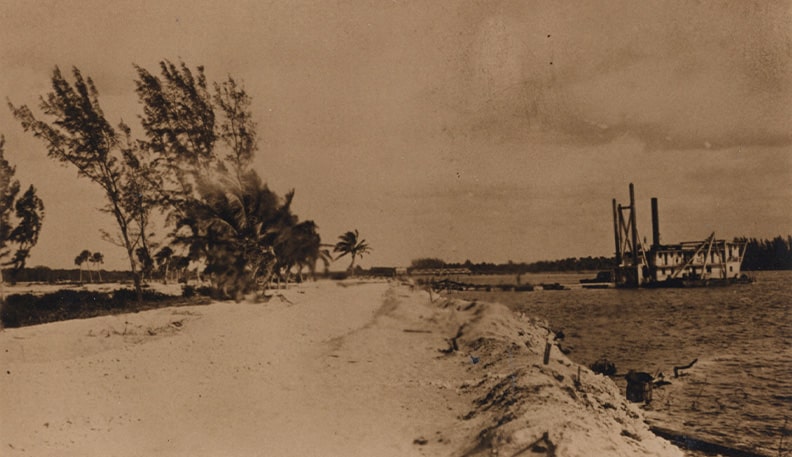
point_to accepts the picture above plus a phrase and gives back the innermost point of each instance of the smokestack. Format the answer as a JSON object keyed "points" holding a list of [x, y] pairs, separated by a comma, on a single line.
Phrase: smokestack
{"points": [[616, 214], [655, 224], [633, 219]]}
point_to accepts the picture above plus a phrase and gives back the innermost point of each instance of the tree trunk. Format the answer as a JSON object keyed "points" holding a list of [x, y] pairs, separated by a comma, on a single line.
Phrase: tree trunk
{"points": [[138, 286], [135, 274], [2, 296]]}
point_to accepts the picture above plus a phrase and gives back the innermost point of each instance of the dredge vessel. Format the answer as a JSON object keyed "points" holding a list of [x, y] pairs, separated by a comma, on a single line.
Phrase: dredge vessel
{"points": [[709, 262]]}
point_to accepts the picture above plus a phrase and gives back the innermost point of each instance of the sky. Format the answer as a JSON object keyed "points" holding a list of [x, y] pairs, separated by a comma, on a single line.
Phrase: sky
{"points": [[480, 130]]}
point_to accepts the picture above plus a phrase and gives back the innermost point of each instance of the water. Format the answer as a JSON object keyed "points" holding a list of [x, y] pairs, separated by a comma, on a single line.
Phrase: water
{"points": [[739, 392]]}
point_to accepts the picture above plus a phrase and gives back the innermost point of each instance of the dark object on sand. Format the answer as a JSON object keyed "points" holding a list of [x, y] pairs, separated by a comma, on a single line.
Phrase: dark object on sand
{"points": [[603, 366], [684, 367], [687, 441], [639, 386]]}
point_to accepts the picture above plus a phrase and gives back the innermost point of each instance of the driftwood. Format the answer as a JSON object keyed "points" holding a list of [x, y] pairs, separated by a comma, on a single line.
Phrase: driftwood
{"points": [[452, 343], [684, 367]]}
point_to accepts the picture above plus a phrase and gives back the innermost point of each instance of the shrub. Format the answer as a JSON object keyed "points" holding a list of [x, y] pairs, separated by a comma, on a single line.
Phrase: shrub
{"points": [[188, 291], [26, 309], [338, 276]]}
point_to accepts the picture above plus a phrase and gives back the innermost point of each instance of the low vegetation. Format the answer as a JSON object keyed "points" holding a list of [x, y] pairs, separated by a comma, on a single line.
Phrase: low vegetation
{"points": [[28, 309]]}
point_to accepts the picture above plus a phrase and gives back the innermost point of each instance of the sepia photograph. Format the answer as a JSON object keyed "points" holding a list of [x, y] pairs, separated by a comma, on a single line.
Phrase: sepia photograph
{"points": [[387, 228]]}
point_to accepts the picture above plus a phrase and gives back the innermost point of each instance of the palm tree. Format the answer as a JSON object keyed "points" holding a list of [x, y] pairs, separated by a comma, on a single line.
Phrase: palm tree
{"points": [[233, 228], [96, 259], [300, 246], [350, 244], [84, 256], [164, 257]]}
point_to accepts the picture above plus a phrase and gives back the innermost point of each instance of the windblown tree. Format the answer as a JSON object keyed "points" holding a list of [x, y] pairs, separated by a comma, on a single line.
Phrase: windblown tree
{"points": [[77, 132], [205, 138], [299, 246], [20, 217], [202, 139], [193, 163], [234, 228], [350, 244], [192, 132]]}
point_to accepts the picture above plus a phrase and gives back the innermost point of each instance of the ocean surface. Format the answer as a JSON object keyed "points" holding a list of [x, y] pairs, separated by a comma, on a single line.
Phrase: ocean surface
{"points": [[738, 393]]}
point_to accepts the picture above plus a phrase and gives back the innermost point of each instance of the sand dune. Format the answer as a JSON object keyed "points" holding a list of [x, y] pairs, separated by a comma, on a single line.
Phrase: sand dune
{"points": [[321, 370]]}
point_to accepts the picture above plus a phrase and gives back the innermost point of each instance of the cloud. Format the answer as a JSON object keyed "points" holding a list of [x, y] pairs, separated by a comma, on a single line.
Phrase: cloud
{"points": [[676, 75]]}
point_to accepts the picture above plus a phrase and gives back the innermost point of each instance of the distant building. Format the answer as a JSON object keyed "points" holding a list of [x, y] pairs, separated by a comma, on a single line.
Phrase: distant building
{"points": [[382, 271], [439, 271]]}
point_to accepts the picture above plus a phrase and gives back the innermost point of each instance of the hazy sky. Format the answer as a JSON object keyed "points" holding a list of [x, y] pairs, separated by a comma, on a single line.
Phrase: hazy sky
{"points": [[482, 130]]}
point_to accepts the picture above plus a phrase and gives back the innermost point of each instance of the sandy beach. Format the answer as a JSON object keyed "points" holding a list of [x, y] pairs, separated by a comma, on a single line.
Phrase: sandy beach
{"points": [[321, 369]]}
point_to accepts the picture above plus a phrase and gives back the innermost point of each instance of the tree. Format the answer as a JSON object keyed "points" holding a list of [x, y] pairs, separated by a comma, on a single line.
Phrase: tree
{"points": [[97, 258], [79, 134], [201, 139], [20, 218], [83, 257], [427, 262], [300, 246], [163, 258], [350, 244], [192, 163], [234, 227], [193, 132]]}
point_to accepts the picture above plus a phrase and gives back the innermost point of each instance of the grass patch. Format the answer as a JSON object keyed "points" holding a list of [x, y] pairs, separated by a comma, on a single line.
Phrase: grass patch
{"points": [[21, 310]]}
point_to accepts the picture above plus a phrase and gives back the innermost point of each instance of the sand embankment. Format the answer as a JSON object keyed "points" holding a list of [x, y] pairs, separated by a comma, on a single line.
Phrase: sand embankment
{"points": [[324, 370]]}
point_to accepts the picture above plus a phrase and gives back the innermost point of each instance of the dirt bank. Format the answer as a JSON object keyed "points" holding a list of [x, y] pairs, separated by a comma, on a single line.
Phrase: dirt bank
{"points": [[359, 369]]}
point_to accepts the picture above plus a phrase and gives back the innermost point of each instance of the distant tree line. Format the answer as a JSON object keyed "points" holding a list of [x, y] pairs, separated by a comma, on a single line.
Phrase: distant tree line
{"points": [[761, 254], [775, 254], [49, 275], [568, 264]]}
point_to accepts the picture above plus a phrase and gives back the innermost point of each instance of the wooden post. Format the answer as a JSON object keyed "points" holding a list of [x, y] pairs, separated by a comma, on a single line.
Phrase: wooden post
{"points": [[616, 237], [547, 352]]}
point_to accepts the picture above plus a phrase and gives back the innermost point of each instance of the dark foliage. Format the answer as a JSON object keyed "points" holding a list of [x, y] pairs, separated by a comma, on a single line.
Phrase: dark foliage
{"points": [[203, 291], [28, 309], [20, 217], [775, 254], [427, 263], [485, 268]]}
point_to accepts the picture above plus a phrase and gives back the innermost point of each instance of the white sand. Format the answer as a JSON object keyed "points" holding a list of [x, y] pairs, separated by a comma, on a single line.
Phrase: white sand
{"points": [[323, 371]]}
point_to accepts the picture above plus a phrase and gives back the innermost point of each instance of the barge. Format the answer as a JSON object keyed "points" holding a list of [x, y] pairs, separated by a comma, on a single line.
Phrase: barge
{"points": [[710, 262]]}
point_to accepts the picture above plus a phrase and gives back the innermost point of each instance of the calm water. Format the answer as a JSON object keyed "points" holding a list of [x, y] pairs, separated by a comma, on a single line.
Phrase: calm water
{"points": [[740, 390]]}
